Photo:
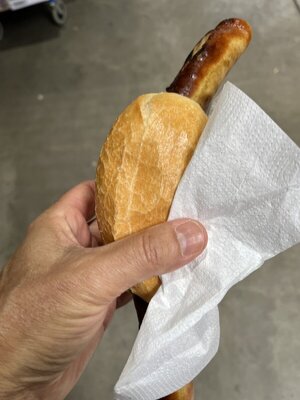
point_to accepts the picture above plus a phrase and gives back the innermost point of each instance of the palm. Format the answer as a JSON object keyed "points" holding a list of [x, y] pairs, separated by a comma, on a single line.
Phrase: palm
{"points": [[68, 378], [75, 224]]}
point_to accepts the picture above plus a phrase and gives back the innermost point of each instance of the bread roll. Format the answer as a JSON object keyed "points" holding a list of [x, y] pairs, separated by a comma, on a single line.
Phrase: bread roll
{"points": [[140, 166]]}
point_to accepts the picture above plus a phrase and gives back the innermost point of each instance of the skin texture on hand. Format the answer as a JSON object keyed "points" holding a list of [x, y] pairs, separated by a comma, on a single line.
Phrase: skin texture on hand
{"points": [[60, 289]]}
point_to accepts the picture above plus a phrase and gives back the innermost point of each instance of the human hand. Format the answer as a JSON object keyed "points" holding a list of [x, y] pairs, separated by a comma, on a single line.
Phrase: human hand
{"points": [[59, 291]]}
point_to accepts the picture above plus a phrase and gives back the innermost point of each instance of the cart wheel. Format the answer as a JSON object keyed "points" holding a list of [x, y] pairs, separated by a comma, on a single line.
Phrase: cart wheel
{"points": [[58, 11]]}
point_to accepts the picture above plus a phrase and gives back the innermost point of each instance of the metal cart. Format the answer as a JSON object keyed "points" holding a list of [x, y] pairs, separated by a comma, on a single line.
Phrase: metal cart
{"points": [[56, 8]]}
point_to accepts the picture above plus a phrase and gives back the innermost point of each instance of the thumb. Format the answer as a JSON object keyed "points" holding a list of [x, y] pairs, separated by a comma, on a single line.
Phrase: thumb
{"points": [[154, 251]]}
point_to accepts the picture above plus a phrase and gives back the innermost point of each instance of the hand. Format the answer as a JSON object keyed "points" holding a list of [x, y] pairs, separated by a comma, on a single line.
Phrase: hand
{"points": [[59, 291]]}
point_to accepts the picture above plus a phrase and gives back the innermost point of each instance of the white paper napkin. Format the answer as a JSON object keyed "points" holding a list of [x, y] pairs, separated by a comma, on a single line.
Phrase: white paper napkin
{"points": [[243, 184]]}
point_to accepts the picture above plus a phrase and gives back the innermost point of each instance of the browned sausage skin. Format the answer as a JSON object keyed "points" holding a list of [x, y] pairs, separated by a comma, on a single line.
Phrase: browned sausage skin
{"points": [[210, 61]]}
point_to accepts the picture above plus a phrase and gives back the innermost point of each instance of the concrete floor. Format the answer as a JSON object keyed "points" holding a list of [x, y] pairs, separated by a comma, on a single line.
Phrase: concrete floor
{"points": [[60, 91]]}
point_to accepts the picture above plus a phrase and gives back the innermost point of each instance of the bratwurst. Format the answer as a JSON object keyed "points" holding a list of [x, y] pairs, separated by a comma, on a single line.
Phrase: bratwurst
{"points": [[152, 142]]}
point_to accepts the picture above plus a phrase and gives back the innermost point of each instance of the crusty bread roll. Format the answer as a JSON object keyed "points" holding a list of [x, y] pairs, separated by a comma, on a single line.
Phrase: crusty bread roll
{"points": [[141, 163]]}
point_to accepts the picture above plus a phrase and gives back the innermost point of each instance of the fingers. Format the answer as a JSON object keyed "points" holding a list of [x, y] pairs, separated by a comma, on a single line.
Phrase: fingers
{"points": [[154, 251], [81, 198], [93, 227]]}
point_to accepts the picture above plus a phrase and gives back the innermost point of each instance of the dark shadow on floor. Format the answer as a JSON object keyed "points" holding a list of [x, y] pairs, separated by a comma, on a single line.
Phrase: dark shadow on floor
{"points": [[27, 26]]}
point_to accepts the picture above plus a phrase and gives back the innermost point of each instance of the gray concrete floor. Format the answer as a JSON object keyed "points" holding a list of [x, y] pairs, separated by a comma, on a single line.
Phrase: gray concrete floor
{"points": [[60, 91]]}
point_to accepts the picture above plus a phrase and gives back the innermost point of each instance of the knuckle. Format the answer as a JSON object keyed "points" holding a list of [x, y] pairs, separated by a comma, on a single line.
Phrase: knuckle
{"points": [[151, 249]]}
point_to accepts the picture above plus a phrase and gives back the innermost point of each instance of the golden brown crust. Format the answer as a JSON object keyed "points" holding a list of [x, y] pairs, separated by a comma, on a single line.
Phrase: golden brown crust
{"points": [[185, 393], [210, 61], [140, 165], [142, 161], [147, 289]]}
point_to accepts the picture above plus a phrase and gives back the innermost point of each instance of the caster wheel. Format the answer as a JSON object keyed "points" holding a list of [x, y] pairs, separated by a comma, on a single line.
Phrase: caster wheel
{"points": [[58, 12]]}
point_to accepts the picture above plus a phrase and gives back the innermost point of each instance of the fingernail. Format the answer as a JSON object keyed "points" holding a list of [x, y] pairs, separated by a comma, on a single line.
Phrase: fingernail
{"points": [[191, 236]]}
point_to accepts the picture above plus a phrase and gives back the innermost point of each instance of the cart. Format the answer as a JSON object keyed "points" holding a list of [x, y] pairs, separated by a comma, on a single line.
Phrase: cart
{"points": [[56, 8]]}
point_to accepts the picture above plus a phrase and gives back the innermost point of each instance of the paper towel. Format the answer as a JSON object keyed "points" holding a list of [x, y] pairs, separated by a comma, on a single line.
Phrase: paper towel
{"points": [[243, 184]]}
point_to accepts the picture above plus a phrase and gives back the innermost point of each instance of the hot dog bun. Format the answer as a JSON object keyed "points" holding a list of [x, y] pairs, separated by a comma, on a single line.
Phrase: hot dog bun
{"points": [[140, 165], [142, 161]]}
